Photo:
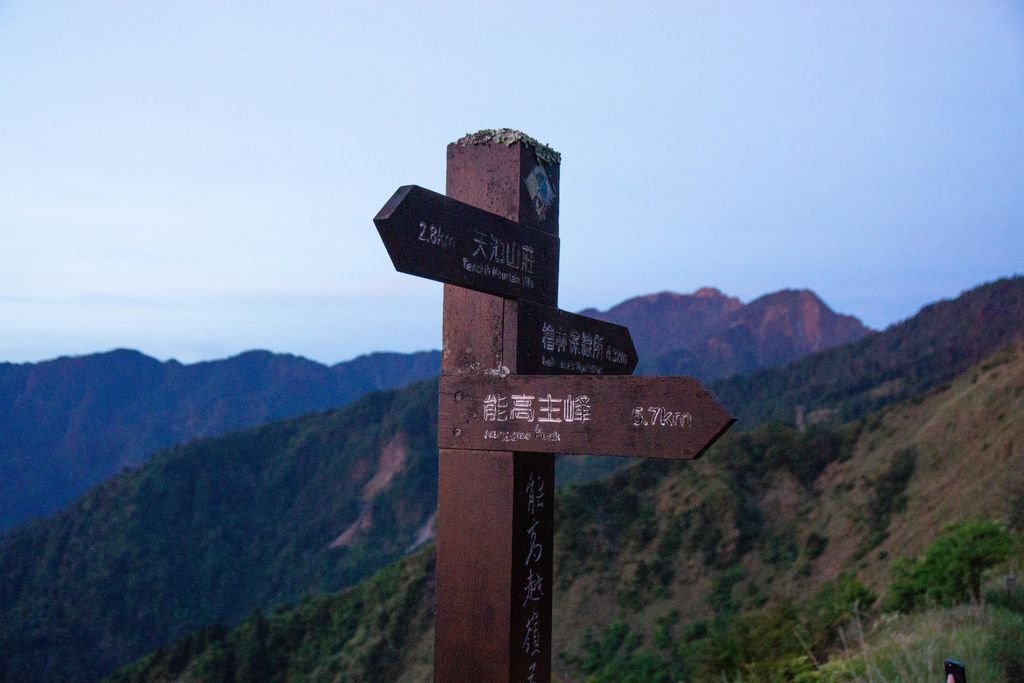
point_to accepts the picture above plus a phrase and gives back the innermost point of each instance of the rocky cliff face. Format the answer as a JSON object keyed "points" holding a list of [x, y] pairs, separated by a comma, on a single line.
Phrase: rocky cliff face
{"points": [[710, 335], [668, 321]]}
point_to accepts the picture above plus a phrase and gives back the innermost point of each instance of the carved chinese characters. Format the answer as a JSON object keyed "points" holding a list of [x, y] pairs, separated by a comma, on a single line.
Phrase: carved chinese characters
{"points": [[436, 237], [661, 417], [556, 342]]}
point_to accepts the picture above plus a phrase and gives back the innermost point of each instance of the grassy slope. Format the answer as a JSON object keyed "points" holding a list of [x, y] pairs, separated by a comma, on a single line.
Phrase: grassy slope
{"points": [[908, 648], [966, 442]]}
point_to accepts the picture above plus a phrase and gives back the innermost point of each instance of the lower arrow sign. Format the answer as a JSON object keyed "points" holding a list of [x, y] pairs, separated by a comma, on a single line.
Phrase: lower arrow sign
{"points": [[660, 417]]}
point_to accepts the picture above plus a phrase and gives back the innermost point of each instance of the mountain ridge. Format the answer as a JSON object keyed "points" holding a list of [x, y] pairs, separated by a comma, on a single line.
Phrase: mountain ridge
{"points": [[74, 421], [288, 475], [843, 383], [710, 335]]}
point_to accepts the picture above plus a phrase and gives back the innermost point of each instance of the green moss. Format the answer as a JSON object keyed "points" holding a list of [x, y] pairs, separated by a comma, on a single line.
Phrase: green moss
{"points": [[507, 137]]}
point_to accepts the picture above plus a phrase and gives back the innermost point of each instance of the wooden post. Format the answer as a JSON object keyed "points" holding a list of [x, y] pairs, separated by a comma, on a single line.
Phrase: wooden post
{"points": [[494, 239], [495, 509]]}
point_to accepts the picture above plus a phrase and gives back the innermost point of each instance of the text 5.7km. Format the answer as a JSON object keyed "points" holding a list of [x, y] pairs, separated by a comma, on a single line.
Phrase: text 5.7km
{"points": [[661, 417]]}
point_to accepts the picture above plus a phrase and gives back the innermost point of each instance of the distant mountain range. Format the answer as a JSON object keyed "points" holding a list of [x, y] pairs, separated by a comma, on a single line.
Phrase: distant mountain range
{"points": [[70, 423], [207, 532]]}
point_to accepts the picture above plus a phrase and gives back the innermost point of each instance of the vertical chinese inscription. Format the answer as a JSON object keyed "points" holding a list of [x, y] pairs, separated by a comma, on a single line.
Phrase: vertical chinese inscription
{"points": [[533, 586], [531, 575]]}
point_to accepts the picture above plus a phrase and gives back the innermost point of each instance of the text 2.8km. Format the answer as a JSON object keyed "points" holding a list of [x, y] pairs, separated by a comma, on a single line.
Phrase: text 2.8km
{"points": [[435, 236], [656, 416]]}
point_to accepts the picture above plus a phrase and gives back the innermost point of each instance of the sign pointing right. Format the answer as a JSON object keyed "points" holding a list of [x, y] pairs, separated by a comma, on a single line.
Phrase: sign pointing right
{"points": [[658, 417], [550, 341]]}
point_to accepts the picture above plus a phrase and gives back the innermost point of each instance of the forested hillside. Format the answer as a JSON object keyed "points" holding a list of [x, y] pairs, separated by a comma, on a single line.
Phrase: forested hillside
{"points": [[207, 532], [771, 558]]}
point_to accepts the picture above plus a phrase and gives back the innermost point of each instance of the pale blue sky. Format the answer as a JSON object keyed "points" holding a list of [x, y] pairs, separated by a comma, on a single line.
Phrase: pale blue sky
{"points": [[193, 179]]}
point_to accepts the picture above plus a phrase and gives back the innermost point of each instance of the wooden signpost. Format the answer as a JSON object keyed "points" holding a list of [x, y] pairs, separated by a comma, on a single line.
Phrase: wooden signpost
{"points": [[520, 381]]}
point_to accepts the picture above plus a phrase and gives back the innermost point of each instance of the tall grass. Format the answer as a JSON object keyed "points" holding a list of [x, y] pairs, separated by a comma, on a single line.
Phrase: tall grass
{"points": [[909, 648]]}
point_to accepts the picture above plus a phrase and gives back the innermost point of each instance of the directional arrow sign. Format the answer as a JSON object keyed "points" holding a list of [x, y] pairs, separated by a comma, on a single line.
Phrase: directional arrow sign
{"points": [[440, 238], [659, 417], [550, 341]]}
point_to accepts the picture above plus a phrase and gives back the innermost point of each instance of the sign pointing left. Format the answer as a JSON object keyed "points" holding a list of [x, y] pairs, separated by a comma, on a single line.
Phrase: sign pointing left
{"points": [[440, 238]]}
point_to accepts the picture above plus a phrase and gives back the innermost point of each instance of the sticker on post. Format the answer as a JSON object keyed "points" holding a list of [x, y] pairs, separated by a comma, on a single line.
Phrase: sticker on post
{"points": [[541, 191]]}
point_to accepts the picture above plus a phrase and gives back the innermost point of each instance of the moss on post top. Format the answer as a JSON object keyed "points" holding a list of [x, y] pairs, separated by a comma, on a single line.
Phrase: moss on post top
{"points": [[508, 136]]}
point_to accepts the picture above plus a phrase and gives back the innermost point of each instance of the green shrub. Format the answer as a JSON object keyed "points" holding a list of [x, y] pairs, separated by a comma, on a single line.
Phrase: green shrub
{"points": [[950, 571]]}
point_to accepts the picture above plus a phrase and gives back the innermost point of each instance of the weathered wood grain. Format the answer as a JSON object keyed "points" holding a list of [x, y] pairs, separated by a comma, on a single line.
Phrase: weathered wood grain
{"points": [[490, 526]]}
